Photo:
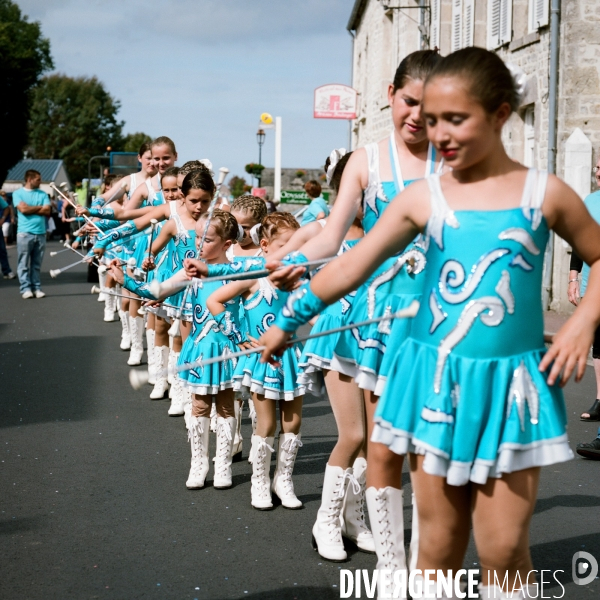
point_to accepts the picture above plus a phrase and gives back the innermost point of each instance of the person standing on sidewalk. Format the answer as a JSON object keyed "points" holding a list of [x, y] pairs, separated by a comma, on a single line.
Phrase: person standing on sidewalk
{"points": [[4, 217], [34, 206]]}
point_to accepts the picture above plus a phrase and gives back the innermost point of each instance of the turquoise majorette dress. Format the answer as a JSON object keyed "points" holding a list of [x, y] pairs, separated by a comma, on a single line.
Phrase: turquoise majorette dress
{"points": [[205, 341], [318, 352], [359, 352], [464, 389], [274, 383], [180, 247]]}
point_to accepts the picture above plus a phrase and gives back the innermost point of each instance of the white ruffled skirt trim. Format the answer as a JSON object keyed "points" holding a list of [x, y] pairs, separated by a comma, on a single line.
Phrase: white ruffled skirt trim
{"points": [[364, 378]]}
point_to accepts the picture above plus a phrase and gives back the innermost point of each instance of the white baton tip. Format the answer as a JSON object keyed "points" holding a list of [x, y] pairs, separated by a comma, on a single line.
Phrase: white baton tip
{"points": [[154, 221], [53, 253], [96, 289], [138, 378], [102, 269], [155, 288], [54, 273], [131, 263]]}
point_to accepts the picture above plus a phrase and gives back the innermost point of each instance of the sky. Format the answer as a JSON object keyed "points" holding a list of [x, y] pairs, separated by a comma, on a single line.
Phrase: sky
{"points": [[203, 71]]}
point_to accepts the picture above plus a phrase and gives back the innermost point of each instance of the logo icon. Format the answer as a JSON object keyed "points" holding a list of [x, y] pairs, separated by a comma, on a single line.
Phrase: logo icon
{"points": [[585, 568]]}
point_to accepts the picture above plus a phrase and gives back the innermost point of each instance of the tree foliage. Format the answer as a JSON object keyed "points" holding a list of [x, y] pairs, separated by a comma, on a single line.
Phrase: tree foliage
{"points": [[132, 142], [238, 186], [254, 169], [73, 119], [25, 55]]}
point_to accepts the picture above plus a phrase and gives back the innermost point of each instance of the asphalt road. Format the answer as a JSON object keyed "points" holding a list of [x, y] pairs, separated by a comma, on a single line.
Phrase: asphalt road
{"points": [[93, 499]]}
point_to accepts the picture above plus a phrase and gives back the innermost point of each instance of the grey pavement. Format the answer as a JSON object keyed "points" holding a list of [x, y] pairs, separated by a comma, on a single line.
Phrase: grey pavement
{"points": [[93, 500]]}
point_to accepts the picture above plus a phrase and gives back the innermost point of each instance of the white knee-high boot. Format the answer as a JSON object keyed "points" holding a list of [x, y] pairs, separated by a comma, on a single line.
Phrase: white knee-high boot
{"points": [[110, 307], [172, 363], [136, 326], [283, 485], [354, 527], [213, 417], [386, 515], [125, 334], [327, 530], [177, 392], [102, 283], [198, 434], [225, 430], [161, 356], [150, 338], [260, 490]]}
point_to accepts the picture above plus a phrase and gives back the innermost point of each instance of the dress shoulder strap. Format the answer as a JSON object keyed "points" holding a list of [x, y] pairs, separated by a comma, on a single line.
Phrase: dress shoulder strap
{"points": [[441, 213], [372, 151], [534, 193]]}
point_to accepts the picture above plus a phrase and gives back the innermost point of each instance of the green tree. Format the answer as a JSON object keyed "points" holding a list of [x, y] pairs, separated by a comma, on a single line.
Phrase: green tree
{"points": [[132, 142], [238, 186], [73, 119], [25, 55]]}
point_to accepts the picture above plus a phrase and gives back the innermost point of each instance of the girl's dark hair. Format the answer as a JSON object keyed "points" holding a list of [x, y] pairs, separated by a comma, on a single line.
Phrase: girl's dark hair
{"points": [[336, 178], [252, 205], [490, 81], [163, 139], [144, 148], [200, 179], [277, 222], [171, 172], [416, 66], [224, 223]]}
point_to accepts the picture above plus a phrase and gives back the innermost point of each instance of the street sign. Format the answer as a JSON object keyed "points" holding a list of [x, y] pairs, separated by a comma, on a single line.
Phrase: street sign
{"points": [[299, 197], [266, 121], [335, 101], [259, 192]]}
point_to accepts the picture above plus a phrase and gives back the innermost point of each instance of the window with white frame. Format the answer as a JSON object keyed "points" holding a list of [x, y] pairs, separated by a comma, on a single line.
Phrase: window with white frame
{"points": [[463, 23], [539, 14], [499, 23]]}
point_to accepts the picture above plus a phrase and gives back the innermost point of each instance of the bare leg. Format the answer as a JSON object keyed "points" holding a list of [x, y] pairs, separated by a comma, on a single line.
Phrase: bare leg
{"points": [[134, 305], [502, 510], [201, 405], [290, 412], [384, 467], [224, 401], [349, 411], [161, 327], [177, 343], [266, 418], [444, 519]]}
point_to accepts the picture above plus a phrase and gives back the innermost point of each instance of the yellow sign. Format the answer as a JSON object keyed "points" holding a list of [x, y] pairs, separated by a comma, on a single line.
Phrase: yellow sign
{"points": [[266, 118]]}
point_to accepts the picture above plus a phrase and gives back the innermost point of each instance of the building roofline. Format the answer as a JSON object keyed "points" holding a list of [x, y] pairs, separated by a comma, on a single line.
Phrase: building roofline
{"points": [[356, 14]]}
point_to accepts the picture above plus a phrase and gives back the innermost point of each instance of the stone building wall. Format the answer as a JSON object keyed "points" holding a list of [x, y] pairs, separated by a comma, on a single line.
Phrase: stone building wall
{"points": [[382, 40]]}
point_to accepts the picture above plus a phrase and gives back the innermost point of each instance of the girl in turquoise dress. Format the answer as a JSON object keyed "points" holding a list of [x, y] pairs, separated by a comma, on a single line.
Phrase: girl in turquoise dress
{"points": [[269, 383], [473, 395]]}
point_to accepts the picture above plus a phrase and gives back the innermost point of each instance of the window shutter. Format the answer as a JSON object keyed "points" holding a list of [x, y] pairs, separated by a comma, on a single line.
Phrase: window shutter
{"points": [[493, 29], [469, 23], [434, 29], [505, 21], [539, 14], [456, 25]]}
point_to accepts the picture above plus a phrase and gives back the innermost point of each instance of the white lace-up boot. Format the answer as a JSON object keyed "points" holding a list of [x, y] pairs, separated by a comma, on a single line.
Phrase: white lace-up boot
{"points": [[237, 436], [386, 515], [177, 391], [125, 335], [198, 436], [282, 479], [150, 346], [213, 417], [102, 283], [327, 530], [354, 527], [260, 491], [225, 430], [136, 327], [161, 356], [187, 405], [110, 308], [172, 363], [413, 549]]}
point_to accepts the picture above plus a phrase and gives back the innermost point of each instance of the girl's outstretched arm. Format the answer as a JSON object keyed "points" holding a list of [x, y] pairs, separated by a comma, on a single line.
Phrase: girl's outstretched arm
{"points": [[216, 301], [405, 217], [567, 215]]}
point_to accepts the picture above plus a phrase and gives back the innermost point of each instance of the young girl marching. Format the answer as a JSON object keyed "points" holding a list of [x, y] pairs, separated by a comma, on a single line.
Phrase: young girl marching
{"points": [[261, 302], [211, 337], [178, 235], [469, 394], [373, 176]]}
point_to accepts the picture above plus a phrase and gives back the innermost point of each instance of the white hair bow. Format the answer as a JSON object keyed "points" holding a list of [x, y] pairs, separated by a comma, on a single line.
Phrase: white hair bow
{"points": [[334, 158]]}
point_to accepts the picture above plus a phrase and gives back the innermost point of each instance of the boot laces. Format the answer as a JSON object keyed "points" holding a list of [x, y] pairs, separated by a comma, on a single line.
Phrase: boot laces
{"points": [[259, 466], [383, 521], [195, 436], [223, 439], [290, 449], [334, 529]]}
